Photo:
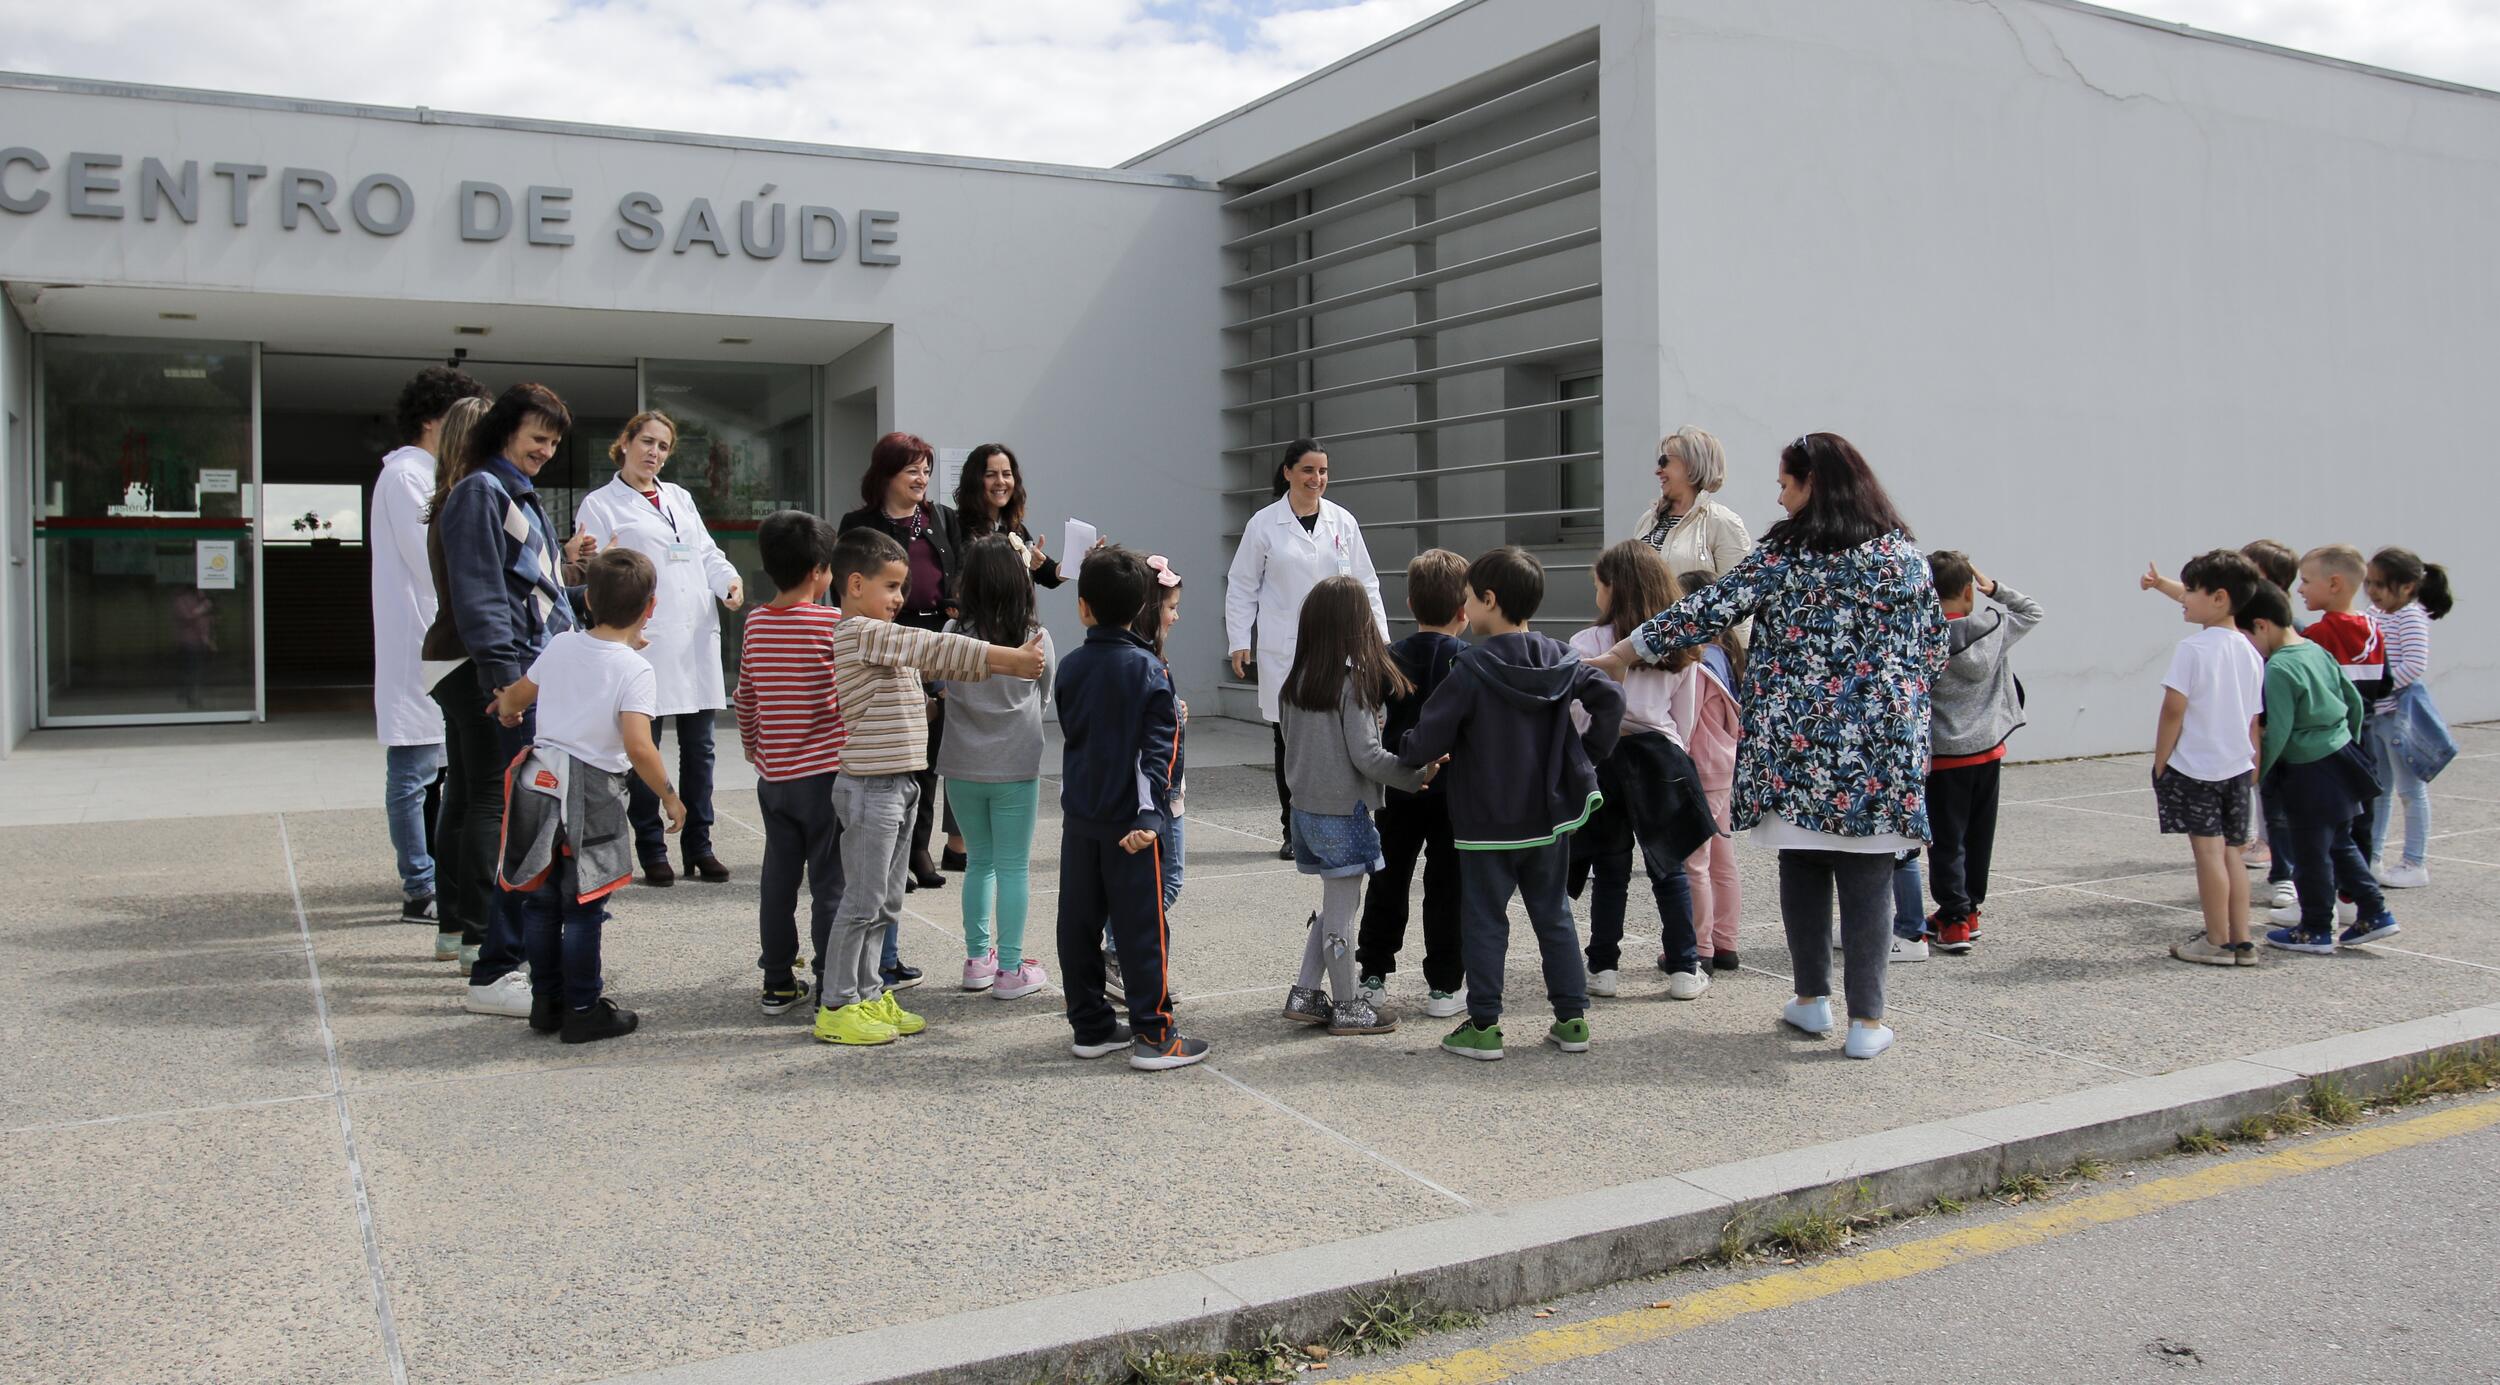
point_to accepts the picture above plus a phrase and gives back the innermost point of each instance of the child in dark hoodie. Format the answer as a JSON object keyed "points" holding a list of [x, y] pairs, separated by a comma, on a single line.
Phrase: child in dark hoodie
{"points": [[1521, 778], [1417, 825]]}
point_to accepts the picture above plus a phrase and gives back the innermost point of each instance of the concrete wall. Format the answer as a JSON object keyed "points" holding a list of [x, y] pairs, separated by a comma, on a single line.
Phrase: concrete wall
{"points": [[2088, 294], [17, 542], [1071, 314]]}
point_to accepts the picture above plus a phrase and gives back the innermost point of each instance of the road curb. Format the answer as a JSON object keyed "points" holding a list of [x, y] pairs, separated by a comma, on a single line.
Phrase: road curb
{"points": [[1510, 1256]]}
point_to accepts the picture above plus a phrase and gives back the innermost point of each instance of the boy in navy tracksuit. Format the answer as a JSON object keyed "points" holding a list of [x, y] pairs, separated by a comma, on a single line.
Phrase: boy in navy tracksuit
{"points": [[1417, 825], [1120, 717], [1521, 778]]}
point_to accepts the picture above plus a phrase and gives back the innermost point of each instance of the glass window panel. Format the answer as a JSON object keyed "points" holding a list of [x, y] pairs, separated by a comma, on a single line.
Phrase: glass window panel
{"points": [[746, 446], [145, 502]]}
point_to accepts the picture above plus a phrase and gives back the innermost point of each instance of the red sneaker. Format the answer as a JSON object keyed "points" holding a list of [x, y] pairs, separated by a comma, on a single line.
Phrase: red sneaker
{"points": [[1953, 937], [1974, 925]]}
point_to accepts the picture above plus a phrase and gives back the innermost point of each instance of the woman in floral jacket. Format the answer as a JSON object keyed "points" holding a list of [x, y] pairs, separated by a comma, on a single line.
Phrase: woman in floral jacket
{"points": [[1832, 769]]}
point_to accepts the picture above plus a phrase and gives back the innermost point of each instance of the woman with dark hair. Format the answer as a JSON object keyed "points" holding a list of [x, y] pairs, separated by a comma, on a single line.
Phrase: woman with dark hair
{"points": [[1832, 768], [894, 498], [657, 519], [1286, 550], [499, 597], [990, 499]]}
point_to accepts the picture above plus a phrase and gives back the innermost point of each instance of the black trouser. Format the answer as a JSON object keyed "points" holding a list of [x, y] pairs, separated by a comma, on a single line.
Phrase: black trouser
{"points": [[1537, 875], [929, 808], [1284, 792], [2278, 825], [801, 837], [1412, 826], [475, 753], [1610, 897], [1099, 881], [694, 789], [1962, 811], [2328, 861], [1863, 881]]}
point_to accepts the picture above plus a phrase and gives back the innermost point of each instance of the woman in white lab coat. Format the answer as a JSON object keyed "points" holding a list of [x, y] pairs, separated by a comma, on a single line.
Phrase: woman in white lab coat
{"points": [[638, 510], [1288, 548]]}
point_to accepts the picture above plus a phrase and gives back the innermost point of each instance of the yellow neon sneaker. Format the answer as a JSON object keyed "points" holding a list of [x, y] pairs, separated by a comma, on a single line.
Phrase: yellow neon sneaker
{"points": [[852, 1024], [890, 1010]]}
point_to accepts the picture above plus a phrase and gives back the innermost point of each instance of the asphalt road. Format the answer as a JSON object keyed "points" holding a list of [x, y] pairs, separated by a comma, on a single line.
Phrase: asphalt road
{"points": [[2379, 1270]]}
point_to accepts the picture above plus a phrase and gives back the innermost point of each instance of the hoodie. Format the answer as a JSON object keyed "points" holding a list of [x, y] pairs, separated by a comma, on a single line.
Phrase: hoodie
{"points": [[1977, 702], [1426, 658], [1519, 774]]}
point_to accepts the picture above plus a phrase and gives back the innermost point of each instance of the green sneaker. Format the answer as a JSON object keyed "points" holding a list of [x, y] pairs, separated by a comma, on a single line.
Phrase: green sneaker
{"points": [[1571, 1036], [1483, 1045]]}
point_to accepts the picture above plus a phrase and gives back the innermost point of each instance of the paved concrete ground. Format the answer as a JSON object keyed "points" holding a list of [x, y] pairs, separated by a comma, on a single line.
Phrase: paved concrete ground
{"points": [[247, 1133], [2374, 1271]]}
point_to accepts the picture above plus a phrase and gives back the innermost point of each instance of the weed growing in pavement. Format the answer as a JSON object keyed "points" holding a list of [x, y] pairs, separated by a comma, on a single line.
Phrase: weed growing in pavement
{"points": [[1392, 1319], [2023, 1187], [2202, 1141], [1944, 1207], [2330, 1102], [1273, 1361], [2089, 1169], [2455, 1071]]}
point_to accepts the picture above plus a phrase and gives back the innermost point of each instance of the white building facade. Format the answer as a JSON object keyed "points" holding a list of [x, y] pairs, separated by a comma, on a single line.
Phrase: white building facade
{"points": [[2088, 290]]}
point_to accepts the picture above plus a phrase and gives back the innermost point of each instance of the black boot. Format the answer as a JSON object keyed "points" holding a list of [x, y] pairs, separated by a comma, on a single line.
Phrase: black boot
{"points": [[605, 1019]]}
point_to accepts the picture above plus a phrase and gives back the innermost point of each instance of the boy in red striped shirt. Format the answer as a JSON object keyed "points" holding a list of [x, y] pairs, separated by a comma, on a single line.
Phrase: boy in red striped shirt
{"points": [[2331, 579], [790, 724]]}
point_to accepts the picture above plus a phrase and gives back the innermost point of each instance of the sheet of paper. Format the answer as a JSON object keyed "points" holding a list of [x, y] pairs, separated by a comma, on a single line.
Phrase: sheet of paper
{"points": [[1074, 545], [949, 470], [219, 481], [213, 565]]}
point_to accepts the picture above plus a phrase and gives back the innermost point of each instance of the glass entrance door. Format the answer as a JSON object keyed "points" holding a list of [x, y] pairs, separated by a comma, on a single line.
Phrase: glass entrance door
{"points": [[746, 446], [145, 494]]}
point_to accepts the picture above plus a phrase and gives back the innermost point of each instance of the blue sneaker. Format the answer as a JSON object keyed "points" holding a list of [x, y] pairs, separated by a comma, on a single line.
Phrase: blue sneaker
{"points": [[2321, 942], [2370, 930]]}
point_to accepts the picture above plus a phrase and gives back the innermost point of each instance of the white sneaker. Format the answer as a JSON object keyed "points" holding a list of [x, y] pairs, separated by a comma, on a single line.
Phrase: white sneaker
{"points": [[1908, 949], [1867, 1040], [508, 994], [1809, 1016], [1687, 985], [2284, 896], [1605, 983], [1442, 1005], [2405, 877], [2346, 913]]}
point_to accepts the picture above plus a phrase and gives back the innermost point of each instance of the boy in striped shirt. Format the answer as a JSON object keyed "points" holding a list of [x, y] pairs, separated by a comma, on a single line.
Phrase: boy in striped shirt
{"points": [[878, 671], [790, 723]]}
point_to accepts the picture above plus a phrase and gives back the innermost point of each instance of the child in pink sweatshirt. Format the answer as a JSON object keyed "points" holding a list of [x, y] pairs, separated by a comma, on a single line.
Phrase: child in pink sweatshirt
{"points": [[1704, 707]]}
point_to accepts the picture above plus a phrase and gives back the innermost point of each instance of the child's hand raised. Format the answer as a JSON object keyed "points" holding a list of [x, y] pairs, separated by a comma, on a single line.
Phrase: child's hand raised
{"points": [[2151, 580], [1024, 662], [1137, 841]]}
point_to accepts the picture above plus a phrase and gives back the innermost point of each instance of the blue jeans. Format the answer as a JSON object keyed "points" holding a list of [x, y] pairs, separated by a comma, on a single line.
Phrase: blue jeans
{"points": [[1539, 875], [1610, 897], [407, 772], [1909, 919], [2406, 788], [562, 936], [694, 785]]}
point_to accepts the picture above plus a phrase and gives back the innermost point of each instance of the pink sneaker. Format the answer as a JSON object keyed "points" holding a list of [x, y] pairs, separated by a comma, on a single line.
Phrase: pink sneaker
{"points": [[1021, 980], [980, 972]]}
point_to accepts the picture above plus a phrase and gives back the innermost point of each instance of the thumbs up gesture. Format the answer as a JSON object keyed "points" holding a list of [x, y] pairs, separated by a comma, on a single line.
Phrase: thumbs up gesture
{"points": [[1021, 662]]}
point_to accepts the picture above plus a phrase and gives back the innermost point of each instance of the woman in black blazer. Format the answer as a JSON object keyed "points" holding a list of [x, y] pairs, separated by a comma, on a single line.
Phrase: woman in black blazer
{"points": [[990, 499], [894, 498]]}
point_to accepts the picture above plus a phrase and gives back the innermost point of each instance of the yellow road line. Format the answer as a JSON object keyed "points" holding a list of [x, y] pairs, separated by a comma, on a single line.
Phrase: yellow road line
{"points": [[1598, 1336]]}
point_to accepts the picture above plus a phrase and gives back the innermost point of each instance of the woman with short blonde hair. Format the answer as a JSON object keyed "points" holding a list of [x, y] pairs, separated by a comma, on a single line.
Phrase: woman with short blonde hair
{"points": [[1692, 532]]}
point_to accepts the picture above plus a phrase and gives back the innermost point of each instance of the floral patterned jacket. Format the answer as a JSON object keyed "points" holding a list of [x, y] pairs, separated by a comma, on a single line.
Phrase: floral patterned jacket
{"points": [[1834, 703]]}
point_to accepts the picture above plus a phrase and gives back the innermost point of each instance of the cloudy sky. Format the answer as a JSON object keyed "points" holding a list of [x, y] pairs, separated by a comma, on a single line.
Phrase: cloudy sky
{"points": [[1068, 81]]}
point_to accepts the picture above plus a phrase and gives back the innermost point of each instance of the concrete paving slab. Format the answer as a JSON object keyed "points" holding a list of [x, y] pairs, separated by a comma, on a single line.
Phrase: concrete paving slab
{"points": [[181, 1030], [213, 1246], [667, 1211]]}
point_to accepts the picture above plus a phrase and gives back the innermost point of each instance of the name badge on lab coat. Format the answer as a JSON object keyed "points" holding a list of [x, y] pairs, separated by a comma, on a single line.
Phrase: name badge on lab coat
{"points": [[1345, 559], [681, 552]]}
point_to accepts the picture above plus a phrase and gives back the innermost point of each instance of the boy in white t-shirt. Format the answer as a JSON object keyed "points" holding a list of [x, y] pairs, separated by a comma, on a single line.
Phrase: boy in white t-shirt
{"points": [[566, 842], [2205, 750]]}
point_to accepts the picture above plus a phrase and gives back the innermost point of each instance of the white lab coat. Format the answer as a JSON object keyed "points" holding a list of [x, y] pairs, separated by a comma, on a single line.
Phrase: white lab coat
{"points": [[1275, 567], [403, 599], [685, 629]]}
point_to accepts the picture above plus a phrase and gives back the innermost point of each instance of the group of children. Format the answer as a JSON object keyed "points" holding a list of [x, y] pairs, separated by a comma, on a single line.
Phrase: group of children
{"points": [[2327, 721], [1509, 766]]}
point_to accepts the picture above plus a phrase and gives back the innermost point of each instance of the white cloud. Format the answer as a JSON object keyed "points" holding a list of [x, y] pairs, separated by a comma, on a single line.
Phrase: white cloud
{"points": [[1070, 81]]}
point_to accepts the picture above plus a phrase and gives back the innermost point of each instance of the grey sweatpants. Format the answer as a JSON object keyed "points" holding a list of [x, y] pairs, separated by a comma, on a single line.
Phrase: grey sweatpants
{"points": [[1331, 944], [1863, 880], [876, 813]]}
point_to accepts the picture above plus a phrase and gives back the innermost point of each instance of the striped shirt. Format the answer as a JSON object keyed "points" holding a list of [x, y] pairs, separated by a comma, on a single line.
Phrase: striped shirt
{"points": [[878, 668], [2407, 635], [788, 718]]}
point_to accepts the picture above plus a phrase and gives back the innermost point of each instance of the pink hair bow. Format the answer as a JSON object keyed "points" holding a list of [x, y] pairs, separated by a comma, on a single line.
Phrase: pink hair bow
{"points": [[1164, 575]]}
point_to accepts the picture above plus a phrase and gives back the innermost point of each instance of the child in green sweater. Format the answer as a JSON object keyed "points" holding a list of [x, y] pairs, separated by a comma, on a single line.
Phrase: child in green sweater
{"points": [[2311, 765]]}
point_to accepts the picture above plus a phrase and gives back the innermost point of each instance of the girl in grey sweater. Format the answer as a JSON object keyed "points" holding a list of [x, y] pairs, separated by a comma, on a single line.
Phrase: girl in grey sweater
{"points": [[992, 763], [1330, 709]]}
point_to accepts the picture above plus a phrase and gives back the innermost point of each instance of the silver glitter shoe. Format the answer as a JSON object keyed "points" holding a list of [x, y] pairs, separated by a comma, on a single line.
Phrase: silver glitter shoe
{"points": [[1304, 1005]]}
